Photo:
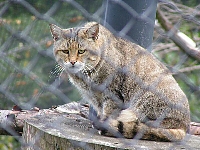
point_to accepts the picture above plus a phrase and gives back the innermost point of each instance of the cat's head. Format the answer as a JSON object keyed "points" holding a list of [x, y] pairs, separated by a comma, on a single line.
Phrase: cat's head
{"points": [[76, 49]]}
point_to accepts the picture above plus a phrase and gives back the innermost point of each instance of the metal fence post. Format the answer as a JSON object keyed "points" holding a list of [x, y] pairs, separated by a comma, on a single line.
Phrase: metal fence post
{"points": [[133, 18]]}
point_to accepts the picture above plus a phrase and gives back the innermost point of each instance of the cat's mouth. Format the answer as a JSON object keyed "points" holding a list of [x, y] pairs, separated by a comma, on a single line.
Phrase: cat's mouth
{"points": [[73, 68]]}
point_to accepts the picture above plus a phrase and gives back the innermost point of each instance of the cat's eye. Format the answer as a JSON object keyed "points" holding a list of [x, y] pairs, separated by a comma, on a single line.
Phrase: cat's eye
{"points": [[81, 51], [65, 51]]}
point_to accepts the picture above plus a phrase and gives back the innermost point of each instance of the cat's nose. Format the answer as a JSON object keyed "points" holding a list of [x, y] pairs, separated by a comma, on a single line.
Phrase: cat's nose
{"points": [[73, 62]]}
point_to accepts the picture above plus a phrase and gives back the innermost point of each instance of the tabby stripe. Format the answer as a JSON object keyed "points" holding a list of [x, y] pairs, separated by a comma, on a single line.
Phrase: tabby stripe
{"points": [[120, 127]]}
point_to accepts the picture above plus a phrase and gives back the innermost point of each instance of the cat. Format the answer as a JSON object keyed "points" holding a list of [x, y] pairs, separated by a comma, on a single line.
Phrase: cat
{"points": [[134, 94]]}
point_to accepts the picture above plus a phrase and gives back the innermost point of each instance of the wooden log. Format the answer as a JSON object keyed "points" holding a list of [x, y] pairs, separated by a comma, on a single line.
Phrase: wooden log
{"points": [[67, 130], [66, 127], [12, 121]]}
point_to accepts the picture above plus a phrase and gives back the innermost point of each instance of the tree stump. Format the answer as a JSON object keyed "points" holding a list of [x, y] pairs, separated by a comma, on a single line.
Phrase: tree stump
{"points": [[65, 129]]}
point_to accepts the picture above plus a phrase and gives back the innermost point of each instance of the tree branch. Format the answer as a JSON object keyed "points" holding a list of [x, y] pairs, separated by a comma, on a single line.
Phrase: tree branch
{"points": [[176, 37], [12, 121]]}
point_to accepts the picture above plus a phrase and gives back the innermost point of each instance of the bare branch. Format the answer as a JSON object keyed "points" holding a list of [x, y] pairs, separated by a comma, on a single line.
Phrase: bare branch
{"points": [[189, 69], [175, 37]]}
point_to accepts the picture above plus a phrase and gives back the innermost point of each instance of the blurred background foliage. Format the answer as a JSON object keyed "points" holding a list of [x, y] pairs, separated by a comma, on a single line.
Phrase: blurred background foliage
{"points": [[36, 57]]}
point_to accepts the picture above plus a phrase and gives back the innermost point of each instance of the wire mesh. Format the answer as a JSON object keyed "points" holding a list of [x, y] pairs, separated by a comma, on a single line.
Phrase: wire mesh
{"points": [[30, 76]]}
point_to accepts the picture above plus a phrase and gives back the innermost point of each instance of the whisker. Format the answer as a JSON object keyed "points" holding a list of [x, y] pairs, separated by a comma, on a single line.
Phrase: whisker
{"points": [[56, 71]]}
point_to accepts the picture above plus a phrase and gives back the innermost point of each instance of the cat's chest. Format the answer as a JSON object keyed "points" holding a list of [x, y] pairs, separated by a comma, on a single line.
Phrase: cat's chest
{"points": [[78, 82], [84, 83], [93, 86]]}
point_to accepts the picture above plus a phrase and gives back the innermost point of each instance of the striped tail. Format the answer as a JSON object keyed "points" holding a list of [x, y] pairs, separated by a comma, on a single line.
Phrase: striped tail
{"points": [[128, 126]]}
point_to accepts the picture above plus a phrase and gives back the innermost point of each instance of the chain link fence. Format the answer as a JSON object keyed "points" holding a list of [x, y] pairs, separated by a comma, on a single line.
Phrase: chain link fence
{"points": [[30, 76]]}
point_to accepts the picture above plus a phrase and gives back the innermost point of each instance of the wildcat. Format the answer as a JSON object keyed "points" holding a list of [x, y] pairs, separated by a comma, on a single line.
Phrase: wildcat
{"points": [[134, 94]]}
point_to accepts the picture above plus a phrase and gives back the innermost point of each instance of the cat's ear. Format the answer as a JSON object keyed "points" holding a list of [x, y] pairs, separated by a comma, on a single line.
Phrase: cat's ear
{"points": [[93, 31], [55, 31]]}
